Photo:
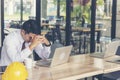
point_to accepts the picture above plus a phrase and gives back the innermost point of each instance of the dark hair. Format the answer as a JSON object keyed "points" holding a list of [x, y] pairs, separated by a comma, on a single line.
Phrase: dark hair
{"points": [[30, 26]]}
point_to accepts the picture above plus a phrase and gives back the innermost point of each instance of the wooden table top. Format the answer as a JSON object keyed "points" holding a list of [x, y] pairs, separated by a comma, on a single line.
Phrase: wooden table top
{"points": [[111, 67], [80, 28], [79, 66], [69, 71]]}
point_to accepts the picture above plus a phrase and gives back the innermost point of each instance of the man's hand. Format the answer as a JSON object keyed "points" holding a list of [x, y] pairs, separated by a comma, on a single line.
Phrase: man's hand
{"points": [[34, 42], [37, 40], [44, 40]]}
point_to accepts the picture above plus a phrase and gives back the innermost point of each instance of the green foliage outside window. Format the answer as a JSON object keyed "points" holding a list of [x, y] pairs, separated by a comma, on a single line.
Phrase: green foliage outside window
{"points": [[81, 11]]}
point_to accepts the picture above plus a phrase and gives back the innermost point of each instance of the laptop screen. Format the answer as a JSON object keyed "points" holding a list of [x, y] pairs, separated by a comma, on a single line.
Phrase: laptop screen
{"points": [[118, 51]]}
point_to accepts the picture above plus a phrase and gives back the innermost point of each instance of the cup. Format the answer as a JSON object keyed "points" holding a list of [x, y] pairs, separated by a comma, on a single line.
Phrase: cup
{"points": [[28, 63]]}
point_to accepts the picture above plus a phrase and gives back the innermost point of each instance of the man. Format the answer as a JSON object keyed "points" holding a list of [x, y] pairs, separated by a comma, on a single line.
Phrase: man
{"points": [[29, 37]]}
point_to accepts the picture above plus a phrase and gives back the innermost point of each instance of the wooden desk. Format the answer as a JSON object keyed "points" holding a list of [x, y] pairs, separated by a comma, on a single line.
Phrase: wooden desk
{"points": [[107, 67], [63, 72], [79, 66], [75, 69], [111, 67], [84, 29]]}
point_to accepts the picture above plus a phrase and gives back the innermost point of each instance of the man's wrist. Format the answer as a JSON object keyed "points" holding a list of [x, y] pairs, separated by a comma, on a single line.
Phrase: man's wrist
{"points": [[48, 44], [31, 47]]}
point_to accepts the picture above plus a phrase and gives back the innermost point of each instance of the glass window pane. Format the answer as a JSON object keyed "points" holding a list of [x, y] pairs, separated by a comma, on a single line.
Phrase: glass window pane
{"points": [[13, 14], [29, 9], [118, 20], [103, 22]]}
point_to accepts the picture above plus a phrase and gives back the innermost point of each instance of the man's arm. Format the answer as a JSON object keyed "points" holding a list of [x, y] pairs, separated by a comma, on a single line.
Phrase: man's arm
{"points": [[43, 51], [43, 47], [14, 52]]}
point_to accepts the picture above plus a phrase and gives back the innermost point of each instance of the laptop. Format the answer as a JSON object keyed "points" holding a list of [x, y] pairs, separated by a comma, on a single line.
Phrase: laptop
{"points": [[111, 49], [61, 56], [115, 59]]}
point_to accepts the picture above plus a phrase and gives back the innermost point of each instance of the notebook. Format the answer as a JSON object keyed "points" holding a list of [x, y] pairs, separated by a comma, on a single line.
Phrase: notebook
{"points": [[115, 59], [111, 49], [61, 56]]}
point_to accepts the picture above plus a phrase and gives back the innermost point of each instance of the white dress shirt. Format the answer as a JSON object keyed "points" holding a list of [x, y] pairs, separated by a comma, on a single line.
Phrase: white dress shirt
{"points": [[11, 49]]}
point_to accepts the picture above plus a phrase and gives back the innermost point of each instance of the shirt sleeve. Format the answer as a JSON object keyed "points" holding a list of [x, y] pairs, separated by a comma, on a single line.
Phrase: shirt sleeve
{"points": [[43, 51], [14, 53]]}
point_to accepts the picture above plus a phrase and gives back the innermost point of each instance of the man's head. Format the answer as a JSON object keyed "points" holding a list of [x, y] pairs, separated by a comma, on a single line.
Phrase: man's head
{"points": [[29, 29]]}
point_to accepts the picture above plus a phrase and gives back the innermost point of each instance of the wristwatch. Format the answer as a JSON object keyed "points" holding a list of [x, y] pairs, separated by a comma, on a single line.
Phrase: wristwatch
{"points": [[48, 45]]}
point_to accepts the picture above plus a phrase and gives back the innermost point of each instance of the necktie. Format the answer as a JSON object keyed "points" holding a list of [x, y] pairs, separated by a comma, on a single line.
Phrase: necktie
{"points": [[23, 46]]}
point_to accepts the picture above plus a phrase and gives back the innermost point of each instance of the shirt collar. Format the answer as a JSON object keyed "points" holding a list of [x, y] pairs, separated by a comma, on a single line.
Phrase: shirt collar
{"points": [[20, 36]]}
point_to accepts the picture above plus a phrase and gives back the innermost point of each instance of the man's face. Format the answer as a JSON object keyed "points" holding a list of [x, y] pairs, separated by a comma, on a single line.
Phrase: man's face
{"points": [[29, 37]]}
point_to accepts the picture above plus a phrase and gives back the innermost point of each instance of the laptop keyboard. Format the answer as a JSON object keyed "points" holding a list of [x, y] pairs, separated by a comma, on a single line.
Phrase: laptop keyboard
{"points": [[115, 60], [43, 62], [97, 55]]}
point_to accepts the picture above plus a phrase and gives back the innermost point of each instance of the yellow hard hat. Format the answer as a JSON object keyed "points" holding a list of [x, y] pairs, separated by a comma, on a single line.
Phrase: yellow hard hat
{"points": [[15, 71]]}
